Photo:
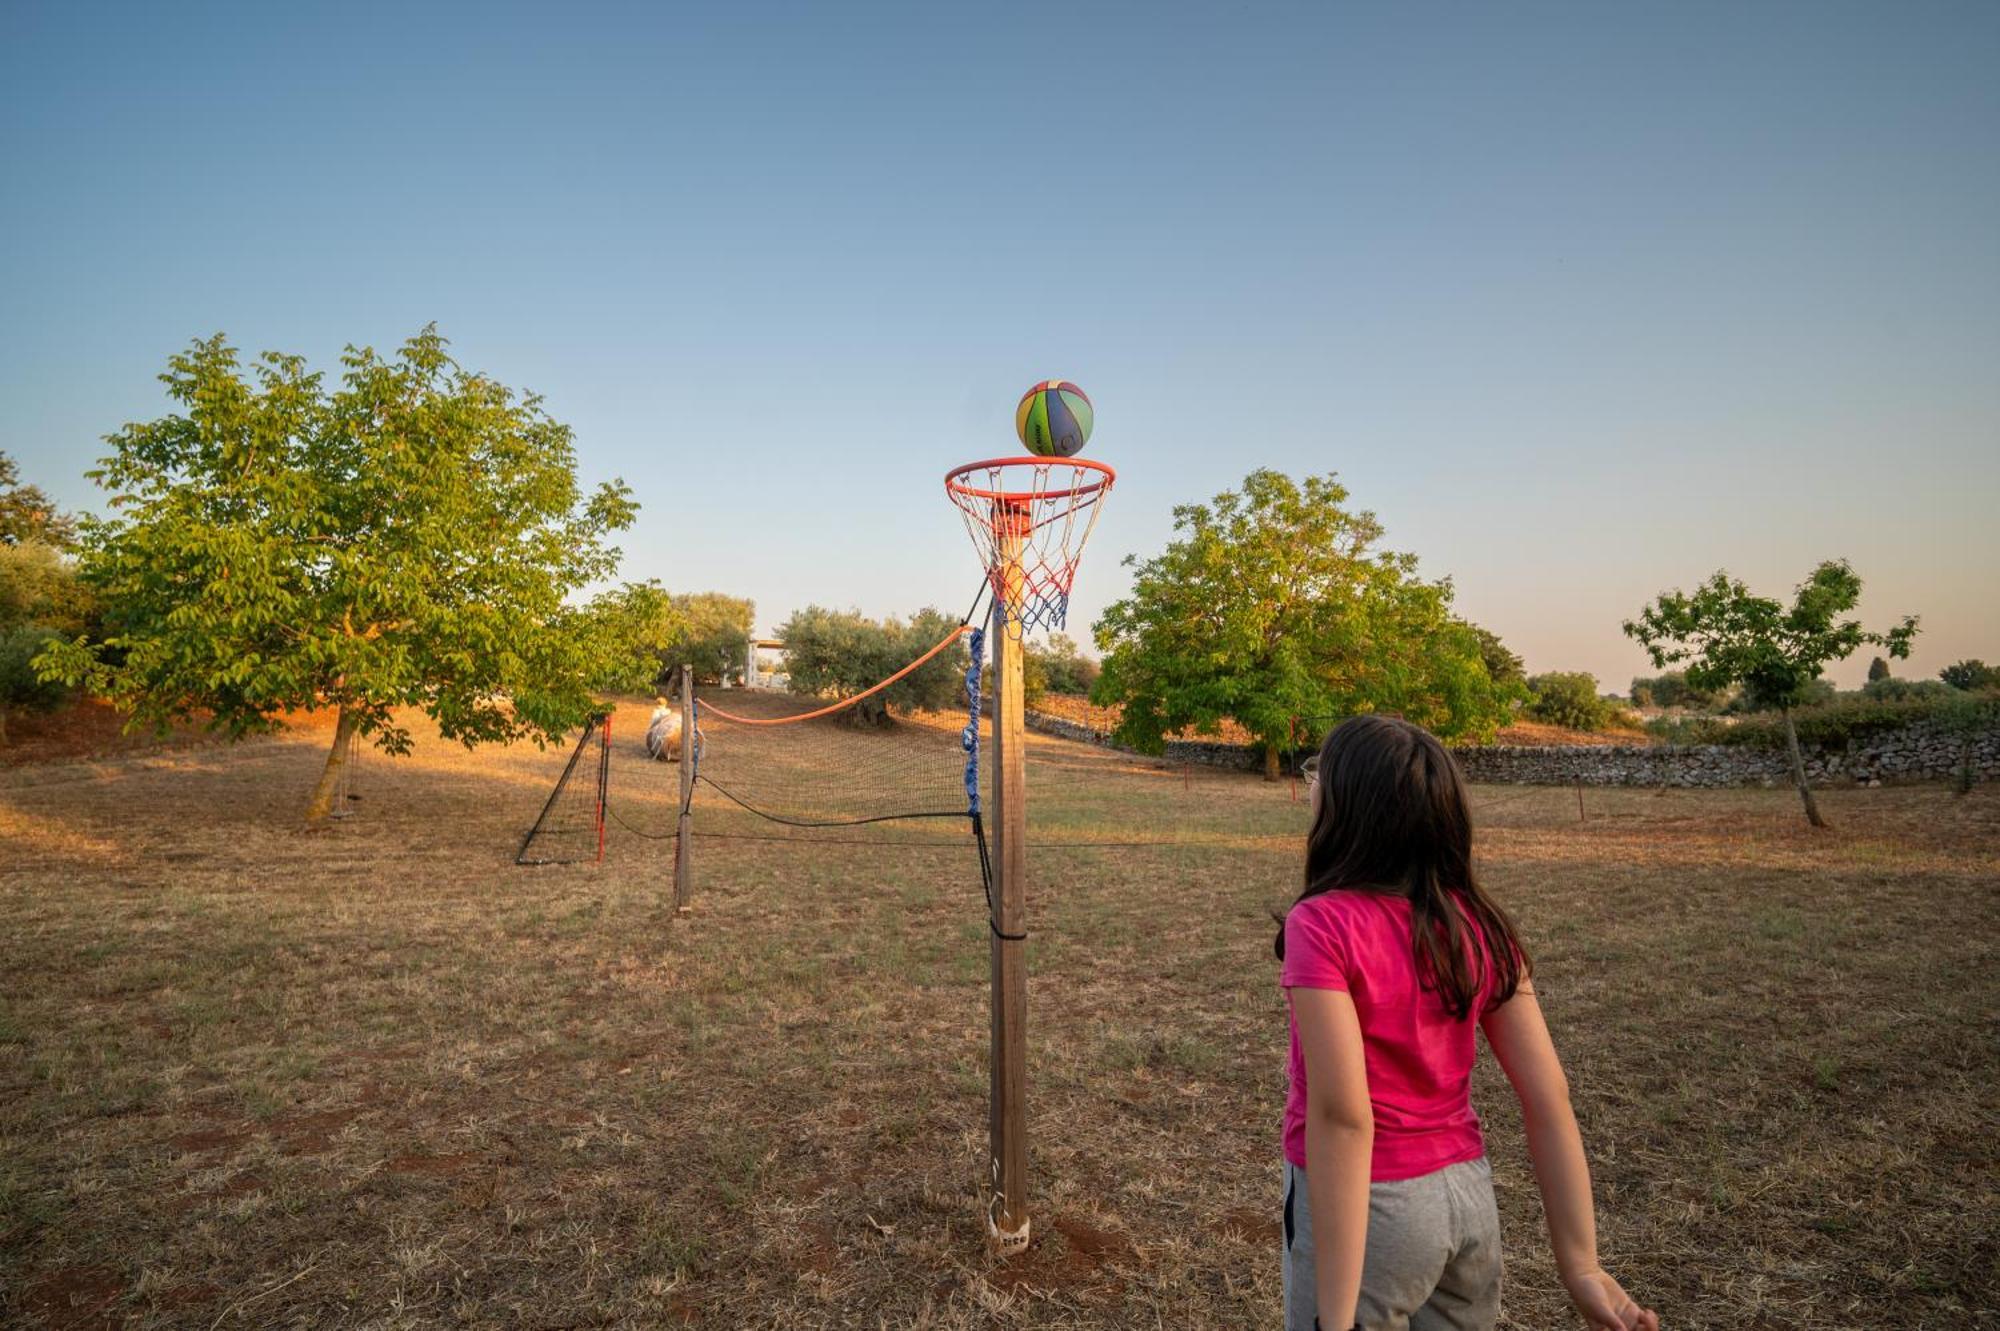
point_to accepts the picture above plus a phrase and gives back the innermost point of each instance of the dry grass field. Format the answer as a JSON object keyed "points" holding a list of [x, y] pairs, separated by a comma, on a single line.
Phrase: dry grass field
{"points": [[377, 1076]]}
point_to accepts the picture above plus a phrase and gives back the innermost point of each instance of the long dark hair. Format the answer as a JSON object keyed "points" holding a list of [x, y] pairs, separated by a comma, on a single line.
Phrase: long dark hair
{"points": [[1392, 818]]}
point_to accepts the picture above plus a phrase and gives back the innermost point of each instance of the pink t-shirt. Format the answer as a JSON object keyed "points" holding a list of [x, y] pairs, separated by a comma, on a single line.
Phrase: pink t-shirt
{"points": [[1419, 1057]]}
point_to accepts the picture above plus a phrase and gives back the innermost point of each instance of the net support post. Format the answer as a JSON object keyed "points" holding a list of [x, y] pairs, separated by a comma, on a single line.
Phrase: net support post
{"points": [[1007, 1219], [603, 779], [683, 842]]}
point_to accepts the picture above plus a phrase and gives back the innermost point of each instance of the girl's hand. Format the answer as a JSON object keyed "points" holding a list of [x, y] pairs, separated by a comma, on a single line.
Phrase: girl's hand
{"points": [[1605, 1306]]}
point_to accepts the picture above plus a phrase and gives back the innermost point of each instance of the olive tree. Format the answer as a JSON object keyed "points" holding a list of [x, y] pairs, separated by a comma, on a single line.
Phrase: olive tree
{"points": [[27, 514], [839, 653]]}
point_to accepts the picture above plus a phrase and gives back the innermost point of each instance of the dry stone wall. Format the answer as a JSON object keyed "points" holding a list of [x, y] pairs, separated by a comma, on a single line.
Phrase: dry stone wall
{"points": [[1923, 751]]}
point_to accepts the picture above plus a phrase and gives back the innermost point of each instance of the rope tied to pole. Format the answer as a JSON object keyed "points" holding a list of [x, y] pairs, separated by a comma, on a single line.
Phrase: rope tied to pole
{"points": [[849, 701]]}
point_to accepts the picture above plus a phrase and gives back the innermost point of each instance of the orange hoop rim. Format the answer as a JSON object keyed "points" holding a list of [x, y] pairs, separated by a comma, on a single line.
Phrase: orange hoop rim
{"points": [[955, 485]]}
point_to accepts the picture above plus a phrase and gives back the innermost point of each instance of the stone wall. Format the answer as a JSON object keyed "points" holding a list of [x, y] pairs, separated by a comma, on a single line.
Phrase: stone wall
{"points": [[1204, 753], [1922, 751]]}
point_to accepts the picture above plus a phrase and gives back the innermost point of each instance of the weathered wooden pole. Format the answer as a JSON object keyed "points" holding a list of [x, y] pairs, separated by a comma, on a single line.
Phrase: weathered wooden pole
{"points": [[683, 838], [1007, 1207]]}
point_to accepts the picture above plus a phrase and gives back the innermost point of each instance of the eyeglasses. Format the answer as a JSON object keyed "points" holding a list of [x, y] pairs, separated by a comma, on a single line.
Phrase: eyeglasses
{"points": [[1309, 769]]}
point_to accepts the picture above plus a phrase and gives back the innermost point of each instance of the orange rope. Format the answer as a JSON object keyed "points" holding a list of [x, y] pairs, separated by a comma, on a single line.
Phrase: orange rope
{"points": [[713, 710]]}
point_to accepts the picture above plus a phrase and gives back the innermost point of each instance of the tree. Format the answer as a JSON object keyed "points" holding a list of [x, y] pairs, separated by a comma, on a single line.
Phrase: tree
{"points": [[1971, 675], [39, 585], [1728, 636], [713, 636], [22, 689], [1275, 604], [1877, 669], [409, 538], [1503, 667], [839, 653], [1055, 666], [26, 514], [1891, 689], [1569, 699], [1671, 689], [1814, 693]]}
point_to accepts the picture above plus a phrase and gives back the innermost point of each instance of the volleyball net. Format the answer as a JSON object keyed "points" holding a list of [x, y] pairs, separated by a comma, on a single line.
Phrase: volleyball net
{"points": [[792, 765]]}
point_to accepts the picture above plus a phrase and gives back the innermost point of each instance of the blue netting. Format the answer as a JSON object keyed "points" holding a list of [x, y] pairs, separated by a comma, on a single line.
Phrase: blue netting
{"points": [[1050, 610], [969, 740]]}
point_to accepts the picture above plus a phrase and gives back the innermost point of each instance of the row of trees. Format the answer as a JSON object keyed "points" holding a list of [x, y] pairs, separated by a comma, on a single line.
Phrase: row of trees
{"points": [[413, 536], [41, 596], [1671, 690], [1276, 602]]}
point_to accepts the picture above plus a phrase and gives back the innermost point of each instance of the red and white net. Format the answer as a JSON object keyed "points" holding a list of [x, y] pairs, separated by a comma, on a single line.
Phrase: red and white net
{"points": [[1029, 519]]}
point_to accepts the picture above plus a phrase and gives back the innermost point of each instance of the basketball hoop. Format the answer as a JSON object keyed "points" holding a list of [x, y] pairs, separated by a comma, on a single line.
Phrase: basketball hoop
{"points": [[1029, 518]]}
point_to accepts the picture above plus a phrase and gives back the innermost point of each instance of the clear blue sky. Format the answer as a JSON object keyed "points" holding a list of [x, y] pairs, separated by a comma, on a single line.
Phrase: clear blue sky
{"points": [[1585, 301]]}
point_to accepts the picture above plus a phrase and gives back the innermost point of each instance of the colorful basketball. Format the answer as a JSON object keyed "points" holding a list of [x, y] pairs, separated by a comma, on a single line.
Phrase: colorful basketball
{"points": [[1054, 419]]}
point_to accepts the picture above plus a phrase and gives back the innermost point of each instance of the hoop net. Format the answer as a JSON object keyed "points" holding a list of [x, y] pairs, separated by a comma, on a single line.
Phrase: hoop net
{"points": [[1029, 518]]}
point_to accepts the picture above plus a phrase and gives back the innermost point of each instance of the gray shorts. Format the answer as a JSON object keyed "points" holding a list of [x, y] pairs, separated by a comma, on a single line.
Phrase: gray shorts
{"points": [[1433, 1257]]}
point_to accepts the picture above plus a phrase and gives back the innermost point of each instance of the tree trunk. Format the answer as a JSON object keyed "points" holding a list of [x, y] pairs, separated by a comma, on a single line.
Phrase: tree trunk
{"points": [[336, 762], [1271, 764], [1799, 771]]}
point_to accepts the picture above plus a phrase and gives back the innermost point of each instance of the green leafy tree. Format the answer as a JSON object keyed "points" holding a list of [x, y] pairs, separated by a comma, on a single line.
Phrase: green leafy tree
{"points": [[1727, 635], [409, 538], [1971, 675], [1569, 699], [713, 636], [22, 689], [1878, 669], [839, 653], [26, 514], [1274, 603]]}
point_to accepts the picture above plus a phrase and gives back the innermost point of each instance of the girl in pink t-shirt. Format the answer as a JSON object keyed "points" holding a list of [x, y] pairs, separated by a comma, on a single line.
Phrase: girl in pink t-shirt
{"points": [[1391, 954]]}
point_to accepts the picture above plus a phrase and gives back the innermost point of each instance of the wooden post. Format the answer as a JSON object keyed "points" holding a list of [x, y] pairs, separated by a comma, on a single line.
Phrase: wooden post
{"points": [[603, 779], [1007, 1206], [683, 850]]}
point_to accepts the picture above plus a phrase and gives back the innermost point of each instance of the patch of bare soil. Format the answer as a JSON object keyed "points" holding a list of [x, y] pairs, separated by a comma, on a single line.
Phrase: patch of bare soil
{"points": [[75, 1298]]}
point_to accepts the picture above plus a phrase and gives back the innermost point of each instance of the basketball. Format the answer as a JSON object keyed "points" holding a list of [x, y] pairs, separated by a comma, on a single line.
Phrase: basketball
{"points": [[1054, 419]]}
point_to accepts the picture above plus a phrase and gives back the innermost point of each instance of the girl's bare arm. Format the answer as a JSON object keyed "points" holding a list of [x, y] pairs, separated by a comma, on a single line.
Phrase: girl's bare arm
{"points": [[1520, 1040], [1340, 1143]]}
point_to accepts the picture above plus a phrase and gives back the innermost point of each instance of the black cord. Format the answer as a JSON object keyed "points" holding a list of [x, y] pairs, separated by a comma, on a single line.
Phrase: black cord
{"points": [[986, 880], [650, 836], [985, 588], [832, 822], [829, 841]]}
